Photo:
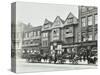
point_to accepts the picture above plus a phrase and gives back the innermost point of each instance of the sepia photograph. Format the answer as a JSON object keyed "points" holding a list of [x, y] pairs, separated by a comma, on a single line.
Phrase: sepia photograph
{"points": [[53, 37]]}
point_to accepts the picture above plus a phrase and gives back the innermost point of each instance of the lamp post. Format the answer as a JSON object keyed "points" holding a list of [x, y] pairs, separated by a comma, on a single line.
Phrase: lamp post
{"points": [[55, 44]]}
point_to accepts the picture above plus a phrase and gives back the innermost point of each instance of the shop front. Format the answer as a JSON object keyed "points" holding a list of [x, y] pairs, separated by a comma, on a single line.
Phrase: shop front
{"points": [[45, 50], [88, 51], [30, 50], [70, 50], [56, 47]]}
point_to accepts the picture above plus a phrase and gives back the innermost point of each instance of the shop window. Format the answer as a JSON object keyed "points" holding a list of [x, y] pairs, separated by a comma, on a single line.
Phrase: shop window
{"points": [[90, 36], [51, 47], [84, 37], [69, 50]]}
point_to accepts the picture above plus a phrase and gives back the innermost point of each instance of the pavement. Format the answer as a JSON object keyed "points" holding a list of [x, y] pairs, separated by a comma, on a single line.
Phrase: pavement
{"points": [[24, 67]]}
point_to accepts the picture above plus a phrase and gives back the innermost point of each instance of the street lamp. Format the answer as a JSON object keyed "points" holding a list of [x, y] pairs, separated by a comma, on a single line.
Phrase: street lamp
{"points": [[55, 44]]}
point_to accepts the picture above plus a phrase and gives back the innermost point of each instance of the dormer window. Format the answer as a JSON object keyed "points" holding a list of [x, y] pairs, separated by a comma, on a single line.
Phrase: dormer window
{"points": [[46, 26], [70, 20]]}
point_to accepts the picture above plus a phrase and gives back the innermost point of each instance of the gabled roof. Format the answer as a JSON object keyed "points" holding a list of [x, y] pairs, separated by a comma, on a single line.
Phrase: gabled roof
{"points": [[48, 24], [58, 22], [58, 17], [47, 21], [70, 15]]}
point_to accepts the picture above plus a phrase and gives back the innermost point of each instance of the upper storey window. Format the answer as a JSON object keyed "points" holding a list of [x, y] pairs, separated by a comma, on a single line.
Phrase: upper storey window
{"points": [[83, 22], [30, 34], [38, 33], [96, 36], [46, 25], [34, 33], [27, 35], [70, 20], [45, 34], [56, 32], [84, 9], [96, 19], [57, 22], [90, 20], [90, 8]]}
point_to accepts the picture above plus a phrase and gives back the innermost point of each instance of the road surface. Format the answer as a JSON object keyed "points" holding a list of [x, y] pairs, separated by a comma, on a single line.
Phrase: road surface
{"points": [[23, 66]]}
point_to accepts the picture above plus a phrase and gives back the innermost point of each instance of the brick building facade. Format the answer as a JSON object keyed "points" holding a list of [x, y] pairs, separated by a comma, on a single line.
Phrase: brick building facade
{"points": [[31, 41], [88, 30]]}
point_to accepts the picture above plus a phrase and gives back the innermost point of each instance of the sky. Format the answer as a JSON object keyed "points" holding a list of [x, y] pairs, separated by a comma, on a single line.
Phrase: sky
{"points": [[35, 13]]}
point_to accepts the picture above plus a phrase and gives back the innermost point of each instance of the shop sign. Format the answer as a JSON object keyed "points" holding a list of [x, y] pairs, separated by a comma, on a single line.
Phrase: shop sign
{"points": [[86, 44], [70, 46]]}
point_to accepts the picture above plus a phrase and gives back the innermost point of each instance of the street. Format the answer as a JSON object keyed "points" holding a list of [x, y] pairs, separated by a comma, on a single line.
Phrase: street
{"points": [[23, 66]]}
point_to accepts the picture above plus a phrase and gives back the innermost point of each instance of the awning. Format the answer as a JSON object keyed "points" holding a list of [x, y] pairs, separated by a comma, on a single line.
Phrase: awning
{"points": [[67, 46]]}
